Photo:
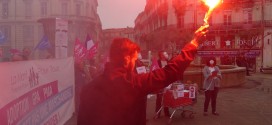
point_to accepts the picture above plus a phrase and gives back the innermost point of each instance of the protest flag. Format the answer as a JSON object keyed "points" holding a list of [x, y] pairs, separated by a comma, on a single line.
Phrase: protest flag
{"points": [[43, 44], [79, 51], [154, 64], [89, 42], [3, 37], [93, 51]]}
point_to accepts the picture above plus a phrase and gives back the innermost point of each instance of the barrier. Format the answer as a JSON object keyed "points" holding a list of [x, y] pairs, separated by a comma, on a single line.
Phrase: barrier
{"points": [[231, 75], [37, 92]]}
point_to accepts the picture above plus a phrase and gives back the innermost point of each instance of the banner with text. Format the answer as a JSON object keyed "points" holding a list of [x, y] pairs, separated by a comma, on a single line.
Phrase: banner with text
{"points": [[38, 92]]}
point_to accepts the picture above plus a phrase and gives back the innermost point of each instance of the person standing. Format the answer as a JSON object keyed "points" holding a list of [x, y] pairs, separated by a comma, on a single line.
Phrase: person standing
{"points": [[162, 62], [117, 96], [80, 81], [212, 78], [241, 61], [141, 69]]}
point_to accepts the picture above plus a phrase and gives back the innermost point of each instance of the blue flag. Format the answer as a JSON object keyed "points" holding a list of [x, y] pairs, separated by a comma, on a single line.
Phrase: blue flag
{"points": [[3, 37], [43, 44]]}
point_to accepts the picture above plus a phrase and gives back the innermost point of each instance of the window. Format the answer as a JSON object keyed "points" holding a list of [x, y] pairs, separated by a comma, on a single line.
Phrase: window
{"points": [[87, 9], [44, 8], [247, 14], [5, 10], [227, 17], [78, 9], [40, 31], [180, 22], [28, 33], [64, 9], [28, 10]]}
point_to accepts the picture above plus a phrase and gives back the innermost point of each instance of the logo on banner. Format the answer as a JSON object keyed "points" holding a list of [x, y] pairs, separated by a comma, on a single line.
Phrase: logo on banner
{"points": [[33, 78]]}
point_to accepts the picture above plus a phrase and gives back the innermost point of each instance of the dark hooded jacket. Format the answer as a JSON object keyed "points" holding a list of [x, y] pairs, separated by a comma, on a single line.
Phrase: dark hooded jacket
{"points": [[117, 97]]}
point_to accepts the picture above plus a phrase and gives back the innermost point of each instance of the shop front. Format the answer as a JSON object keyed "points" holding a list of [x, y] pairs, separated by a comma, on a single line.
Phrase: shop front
{"points": [[232, 57]]}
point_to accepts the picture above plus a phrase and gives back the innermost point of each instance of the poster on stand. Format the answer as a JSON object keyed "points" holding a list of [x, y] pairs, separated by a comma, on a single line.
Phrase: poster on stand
{"points": [[61, 38], [192, 92]]}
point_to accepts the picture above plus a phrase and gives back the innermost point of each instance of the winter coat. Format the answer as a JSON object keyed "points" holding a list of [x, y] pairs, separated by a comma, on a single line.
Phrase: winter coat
{"points": [[117, 97]]}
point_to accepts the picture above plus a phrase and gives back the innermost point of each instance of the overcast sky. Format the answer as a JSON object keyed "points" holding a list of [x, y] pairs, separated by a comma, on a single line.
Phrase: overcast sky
{"points": [[119, 13]]}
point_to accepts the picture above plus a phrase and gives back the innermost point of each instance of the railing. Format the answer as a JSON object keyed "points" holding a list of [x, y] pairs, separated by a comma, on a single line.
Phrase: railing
{"points": [[218, 27], [236, 26], [232, 26], [83, 18]]}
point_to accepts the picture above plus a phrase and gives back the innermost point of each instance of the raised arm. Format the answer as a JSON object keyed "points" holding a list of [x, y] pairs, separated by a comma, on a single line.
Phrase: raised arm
{"points": [[161, 78]]}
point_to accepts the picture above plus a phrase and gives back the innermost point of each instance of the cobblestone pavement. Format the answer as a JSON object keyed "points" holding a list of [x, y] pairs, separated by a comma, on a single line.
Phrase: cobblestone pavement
{"points": [[249, 104]]}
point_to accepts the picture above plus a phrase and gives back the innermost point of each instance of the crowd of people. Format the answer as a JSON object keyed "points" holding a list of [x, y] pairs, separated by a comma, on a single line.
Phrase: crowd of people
{"points": [[24, 54], [114, 90], [162, 62], [118, 95], [85, 72]]}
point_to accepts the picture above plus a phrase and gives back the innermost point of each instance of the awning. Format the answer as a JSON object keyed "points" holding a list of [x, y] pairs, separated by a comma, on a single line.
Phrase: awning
{"points": [[229, 53]]}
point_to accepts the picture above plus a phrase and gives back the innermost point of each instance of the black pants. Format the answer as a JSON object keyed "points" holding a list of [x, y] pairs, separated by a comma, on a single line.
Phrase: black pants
{"points": [[159, 104], [210, 95]]}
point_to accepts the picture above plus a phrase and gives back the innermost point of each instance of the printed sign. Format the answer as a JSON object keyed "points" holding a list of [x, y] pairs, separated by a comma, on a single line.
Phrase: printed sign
{"points": [[192, 91], [61, 38], [141, 70]]}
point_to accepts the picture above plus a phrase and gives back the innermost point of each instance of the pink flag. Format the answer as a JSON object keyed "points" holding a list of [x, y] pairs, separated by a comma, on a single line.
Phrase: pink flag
{"points": [[93, 51], [154, 64], [79, 51]]}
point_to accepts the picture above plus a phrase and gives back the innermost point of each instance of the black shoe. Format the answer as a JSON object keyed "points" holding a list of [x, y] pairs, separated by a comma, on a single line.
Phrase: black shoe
{"points": [[205, 113], [215, 113]]}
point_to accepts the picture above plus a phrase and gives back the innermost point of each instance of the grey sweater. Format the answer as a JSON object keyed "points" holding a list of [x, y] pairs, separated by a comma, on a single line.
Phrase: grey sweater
{"points": [[211, 82]]}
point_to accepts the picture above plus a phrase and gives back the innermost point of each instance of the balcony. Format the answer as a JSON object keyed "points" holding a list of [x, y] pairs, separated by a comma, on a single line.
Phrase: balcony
{"points": [[238, 26], [79, 18], [228, 4]]}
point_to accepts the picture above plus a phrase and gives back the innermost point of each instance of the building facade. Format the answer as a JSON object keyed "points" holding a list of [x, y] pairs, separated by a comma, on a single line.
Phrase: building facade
{"points": [[237, 28], [20, 27], [110, 34]]}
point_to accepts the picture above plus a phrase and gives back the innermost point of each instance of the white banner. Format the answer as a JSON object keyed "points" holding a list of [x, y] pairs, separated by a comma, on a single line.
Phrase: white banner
{"points": [[38, 92]]}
